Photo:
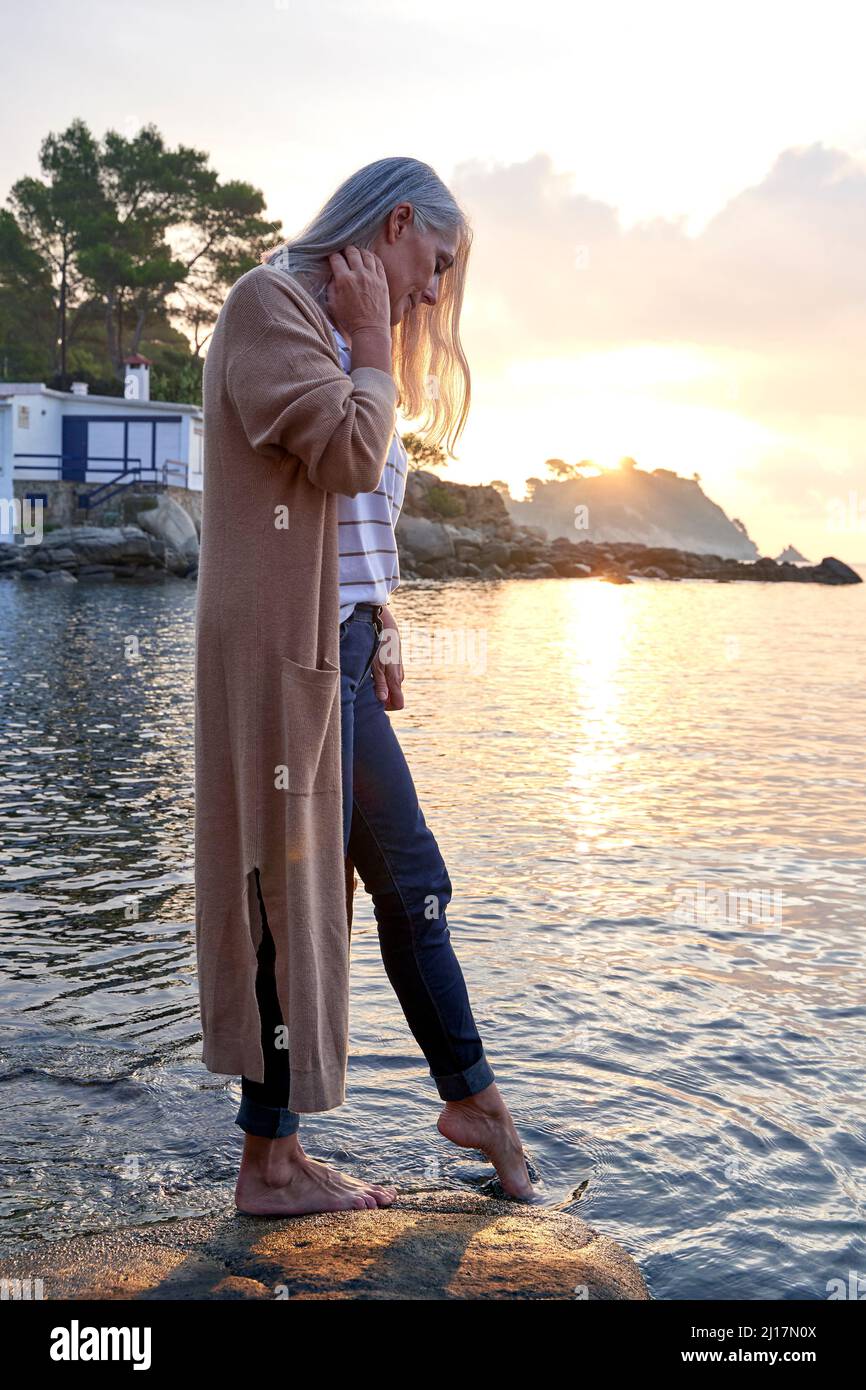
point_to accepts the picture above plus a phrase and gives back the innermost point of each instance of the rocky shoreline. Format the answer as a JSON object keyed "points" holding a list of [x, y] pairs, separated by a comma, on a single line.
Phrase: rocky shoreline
{"points": [[440, 551], [435, 552], [160, 539], [95, 553], [445, 531]]}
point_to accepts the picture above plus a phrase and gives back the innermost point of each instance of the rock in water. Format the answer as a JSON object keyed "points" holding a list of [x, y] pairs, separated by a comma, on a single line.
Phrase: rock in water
{"points": [[833, 571], [170, 523], [429, 1245]]}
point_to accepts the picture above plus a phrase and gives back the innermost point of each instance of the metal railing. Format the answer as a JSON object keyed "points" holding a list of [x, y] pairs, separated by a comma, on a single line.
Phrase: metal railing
{"points": [[171, 472], [175, 473]]}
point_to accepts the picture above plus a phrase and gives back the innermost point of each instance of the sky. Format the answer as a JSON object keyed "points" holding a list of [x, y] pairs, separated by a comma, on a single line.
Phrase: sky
{"points": [[668, 206]]}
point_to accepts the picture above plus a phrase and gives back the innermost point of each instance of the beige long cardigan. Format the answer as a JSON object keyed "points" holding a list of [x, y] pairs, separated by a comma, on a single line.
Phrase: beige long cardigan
{"points": [[286, 429]]}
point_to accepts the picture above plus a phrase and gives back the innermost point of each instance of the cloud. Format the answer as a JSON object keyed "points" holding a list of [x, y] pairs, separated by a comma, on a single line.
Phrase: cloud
{"points": [[779, 273]]}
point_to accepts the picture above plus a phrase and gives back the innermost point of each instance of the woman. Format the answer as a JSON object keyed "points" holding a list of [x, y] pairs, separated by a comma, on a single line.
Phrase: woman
{"points": [[295, 786]]}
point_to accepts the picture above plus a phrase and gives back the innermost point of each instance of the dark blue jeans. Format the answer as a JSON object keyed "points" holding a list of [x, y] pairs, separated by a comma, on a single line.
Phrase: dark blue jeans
{"points": [[399, 863]]}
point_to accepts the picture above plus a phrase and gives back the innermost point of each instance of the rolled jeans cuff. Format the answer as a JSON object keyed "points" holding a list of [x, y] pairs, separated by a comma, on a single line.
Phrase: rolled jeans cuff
{"points": [[267, 1121], [463, 1084]]}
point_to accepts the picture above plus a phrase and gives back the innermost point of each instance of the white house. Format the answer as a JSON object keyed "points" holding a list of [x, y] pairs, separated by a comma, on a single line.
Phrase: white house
{"points": [[98, 444]]}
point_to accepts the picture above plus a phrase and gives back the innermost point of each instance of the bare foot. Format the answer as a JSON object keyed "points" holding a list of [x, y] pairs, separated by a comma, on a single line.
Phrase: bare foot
{"points": [[277, 1178], [483, 1122]]}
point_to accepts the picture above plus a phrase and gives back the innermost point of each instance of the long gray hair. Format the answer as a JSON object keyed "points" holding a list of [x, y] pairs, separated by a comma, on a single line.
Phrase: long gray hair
{"points": [[429, 364]]}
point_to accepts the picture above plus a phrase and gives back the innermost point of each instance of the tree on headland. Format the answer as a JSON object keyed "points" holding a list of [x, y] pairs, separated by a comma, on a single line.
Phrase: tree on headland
{"points": [[560, 469], [563, 471], [128, 246]]}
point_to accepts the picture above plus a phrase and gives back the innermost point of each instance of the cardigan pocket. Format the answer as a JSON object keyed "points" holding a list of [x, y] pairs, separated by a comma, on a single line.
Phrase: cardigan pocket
{"points": [[310, 703]]}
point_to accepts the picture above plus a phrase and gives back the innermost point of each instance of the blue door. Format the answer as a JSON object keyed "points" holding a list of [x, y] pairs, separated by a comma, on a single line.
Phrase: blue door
{"points": [[74, 467]]}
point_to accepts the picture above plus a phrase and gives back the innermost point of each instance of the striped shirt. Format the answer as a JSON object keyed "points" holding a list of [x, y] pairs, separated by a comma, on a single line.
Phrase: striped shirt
{"points": [[369, 564]]}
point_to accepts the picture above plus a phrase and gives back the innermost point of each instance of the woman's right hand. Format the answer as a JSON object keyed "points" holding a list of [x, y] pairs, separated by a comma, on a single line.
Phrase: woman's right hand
{"points": [[357, 295]]}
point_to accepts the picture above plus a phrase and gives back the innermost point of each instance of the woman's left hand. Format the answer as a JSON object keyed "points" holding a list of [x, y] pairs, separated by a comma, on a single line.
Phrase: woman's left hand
{"points": [[388, 664]]}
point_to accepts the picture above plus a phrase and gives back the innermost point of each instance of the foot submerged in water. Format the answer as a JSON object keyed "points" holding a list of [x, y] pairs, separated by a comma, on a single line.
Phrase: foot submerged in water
{"points": [[483, 1122]]}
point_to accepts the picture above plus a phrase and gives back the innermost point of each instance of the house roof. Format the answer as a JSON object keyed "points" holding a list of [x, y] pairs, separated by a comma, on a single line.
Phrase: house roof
{"points": [[38, 388]]}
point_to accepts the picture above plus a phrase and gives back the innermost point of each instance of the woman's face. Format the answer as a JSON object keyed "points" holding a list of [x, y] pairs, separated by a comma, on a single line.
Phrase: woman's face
{"points": [[413, 260]]}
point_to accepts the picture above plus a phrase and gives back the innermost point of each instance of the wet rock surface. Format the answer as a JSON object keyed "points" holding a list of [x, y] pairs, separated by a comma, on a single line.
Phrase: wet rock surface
{"points": [[428, 1245]]}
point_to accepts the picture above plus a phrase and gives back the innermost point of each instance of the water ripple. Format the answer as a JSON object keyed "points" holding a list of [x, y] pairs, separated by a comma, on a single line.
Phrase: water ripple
{"points": [[655, 839]]}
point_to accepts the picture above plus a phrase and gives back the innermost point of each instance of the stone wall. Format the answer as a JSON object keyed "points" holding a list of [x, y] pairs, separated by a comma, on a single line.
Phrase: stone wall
{"points": [[62, 508]]}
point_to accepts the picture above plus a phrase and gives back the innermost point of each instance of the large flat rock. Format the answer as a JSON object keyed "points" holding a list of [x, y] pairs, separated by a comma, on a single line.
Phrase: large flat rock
{"points": [[428, 1245]]}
